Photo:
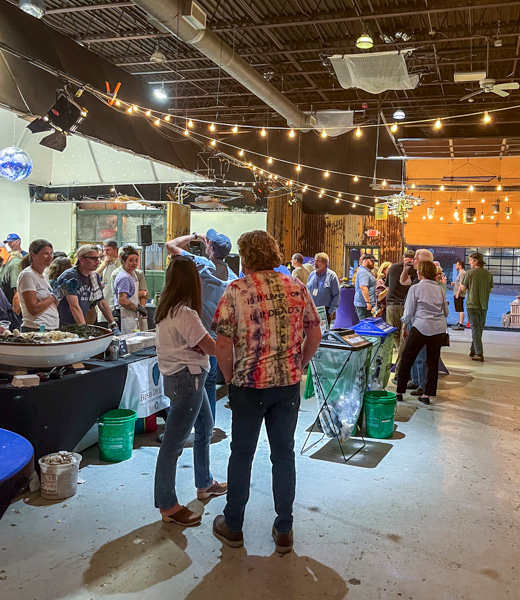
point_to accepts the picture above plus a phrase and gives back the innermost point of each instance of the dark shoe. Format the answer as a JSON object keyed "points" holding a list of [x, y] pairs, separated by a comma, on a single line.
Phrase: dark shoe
{"points": [[458, 327], [215, 489], [411, 386], [417, 392], [478, 358], [233, 539], [394, 380], [471, 353], [425, 400], [184, 517], [283, 541], [399, 397]]}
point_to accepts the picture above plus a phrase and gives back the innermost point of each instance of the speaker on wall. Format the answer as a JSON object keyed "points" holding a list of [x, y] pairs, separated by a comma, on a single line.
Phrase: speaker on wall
{"points": [[144, 235]]}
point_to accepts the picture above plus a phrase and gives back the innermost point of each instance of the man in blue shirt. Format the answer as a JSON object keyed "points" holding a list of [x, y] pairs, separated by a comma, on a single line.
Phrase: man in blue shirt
{"points": [[215, 275], [365, 296], [323, 284]]}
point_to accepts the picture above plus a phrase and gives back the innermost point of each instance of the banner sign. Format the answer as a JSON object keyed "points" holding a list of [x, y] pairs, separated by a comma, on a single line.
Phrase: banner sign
{"points": [[144, 390], [381, 212], [322, 312]]}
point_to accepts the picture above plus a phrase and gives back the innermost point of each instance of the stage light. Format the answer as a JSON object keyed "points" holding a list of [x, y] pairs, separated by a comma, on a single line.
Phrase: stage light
{"points": [[160, 93]]}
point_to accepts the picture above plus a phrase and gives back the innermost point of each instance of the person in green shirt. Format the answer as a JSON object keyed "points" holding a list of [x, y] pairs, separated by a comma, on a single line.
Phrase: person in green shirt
{"points": [[477, 284]]}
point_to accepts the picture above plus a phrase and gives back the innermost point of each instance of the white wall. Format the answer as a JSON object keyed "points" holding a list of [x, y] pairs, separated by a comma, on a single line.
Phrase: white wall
{"points": [[232, 224], [54, 222], [14, 210]]}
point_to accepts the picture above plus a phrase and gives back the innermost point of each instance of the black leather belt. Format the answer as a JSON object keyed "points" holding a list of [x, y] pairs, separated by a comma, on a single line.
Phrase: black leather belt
{"points": [[395, 303]]}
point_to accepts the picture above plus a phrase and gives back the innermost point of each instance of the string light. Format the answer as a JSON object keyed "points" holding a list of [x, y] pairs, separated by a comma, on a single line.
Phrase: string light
{"points": [[275, 177], [393, 129], [499, 188], [326, 174], [148, 113], [167, 118], [213, 143], [482, 215], [442, 218], [413, 186], [292, 133], [263, 132], [441, 188], [487, 117], [241, 153], [186, 132], [353, 205], [424, 217], [337, 200], [358, 133], [471, 188], [384, 183], [190, 124], [298, 168], [483, 200], [356, 198], [157, 122], [129, 110], [371, 209], [506, 199], [235, 129], [212, 127], [437, 203], [324, 134], [438, 124], [305, 188], [339, 195], [260, 172], [270, 160], [356, 178], [290, 183], [134, 108], [118, 102], [458, 201], [492, 216]]}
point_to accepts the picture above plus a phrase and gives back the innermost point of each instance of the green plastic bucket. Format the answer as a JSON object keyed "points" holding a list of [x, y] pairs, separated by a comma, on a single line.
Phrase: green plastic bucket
{"points": [[116, 435], [379, 407]]}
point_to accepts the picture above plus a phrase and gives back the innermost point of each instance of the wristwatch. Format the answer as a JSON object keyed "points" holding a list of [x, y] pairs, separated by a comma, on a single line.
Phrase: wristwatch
{"points": [[195, 235]]}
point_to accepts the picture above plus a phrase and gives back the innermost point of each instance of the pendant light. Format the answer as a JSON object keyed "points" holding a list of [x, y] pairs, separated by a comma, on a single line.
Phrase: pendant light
{"points": [[364, 42]]}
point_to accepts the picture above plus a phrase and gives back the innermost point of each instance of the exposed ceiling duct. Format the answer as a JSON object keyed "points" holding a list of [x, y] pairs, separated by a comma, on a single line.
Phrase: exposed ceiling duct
{"points": [[169, 15]]}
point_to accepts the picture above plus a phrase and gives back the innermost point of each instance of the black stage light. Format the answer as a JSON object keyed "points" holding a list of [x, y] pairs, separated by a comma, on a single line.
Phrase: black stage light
{"points": [[38, 126], [55, 141]]}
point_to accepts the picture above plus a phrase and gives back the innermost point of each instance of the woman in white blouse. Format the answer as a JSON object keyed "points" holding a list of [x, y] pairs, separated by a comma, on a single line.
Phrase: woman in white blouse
{"points": [[424, 324], [183, 349]]}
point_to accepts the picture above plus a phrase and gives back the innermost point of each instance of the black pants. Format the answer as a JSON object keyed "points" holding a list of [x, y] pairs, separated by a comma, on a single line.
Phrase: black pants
{"points": [[413, 345]]}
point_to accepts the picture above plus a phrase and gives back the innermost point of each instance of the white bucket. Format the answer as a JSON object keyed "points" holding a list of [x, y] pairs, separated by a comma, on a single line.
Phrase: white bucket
{"points": [[59, 481]]}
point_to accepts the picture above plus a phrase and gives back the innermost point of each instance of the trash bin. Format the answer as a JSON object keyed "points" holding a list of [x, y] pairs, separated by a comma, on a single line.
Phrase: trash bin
{"points": [[381, 334], [339, 377], [116, 434], [379, 409]]}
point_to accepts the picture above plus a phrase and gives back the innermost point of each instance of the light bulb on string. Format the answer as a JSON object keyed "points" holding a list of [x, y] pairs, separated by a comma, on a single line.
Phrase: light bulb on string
{"points": [[441, 188], [437, 203], [234, 129], [270, 175], [213, 143], [129, 110], [458, 201], [356, 198], [413, 186], [442, 218], [326, 174], [275, 177], [157, 122], [353, 205], [471, 188], [499, 188], [290, 183], [263, 132], [506, 199], [371, 209], [483, 200], [260, 172], [356, 178], [481, 215], [270, 160], [487, 118], [394, 128], [148, 113], [305, 188], [358, 133], [337, 200], [118, 102], [190, 124], [424, 217], [339, 195], [135, 108], [492, 216], [167, 118], [212, 127], [298, 168], [438, 124], [384, 183], [186, 132], [324, 134], [241, 152], [292, 134]]}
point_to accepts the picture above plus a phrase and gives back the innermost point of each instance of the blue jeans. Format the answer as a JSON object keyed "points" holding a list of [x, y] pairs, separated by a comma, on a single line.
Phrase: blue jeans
{"points": [[418, 373], [189, 407], [362, 312], [211, 385], [279, 407], [477, 320]]}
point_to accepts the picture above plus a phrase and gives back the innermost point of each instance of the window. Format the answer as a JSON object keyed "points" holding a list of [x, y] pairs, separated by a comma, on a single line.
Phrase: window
{"points": [[503, 263]]}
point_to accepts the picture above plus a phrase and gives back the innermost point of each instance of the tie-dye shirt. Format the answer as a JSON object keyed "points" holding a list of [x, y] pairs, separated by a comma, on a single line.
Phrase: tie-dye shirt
{"points": [[266, 314]]}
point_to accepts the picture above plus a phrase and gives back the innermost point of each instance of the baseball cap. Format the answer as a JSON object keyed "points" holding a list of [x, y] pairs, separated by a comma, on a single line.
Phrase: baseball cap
{"points": [[84, 250], [110, 242], [477, 256], [12, 237], [365, 256], [409, 254], [221, 243]]}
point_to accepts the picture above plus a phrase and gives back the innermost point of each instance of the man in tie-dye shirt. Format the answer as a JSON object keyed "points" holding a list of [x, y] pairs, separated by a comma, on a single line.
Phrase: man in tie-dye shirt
{"points": [[261, 350]]}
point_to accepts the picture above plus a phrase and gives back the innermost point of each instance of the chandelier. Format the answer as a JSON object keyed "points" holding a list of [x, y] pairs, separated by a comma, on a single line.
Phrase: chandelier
{"points": [[401, 204]]}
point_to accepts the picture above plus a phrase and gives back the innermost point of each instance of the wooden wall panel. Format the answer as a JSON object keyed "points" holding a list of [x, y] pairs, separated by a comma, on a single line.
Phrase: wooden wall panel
{"points": [[178, 220], [390, 240], [335, 233], [285, 224]]}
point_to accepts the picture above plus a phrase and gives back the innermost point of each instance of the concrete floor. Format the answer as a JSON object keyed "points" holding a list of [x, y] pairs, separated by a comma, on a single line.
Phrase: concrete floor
{"points": [[432, 513]]}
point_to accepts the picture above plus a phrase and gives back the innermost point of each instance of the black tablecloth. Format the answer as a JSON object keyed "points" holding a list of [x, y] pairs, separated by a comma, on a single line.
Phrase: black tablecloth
{"points": [[57, 414]]}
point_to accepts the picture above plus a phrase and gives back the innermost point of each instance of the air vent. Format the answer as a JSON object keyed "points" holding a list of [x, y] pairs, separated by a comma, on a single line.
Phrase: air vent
{"points": [[194, 15]]}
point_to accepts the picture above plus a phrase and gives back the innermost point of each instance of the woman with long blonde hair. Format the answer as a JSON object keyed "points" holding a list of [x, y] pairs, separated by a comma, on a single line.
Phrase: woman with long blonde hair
{"points": [[382, 288]]}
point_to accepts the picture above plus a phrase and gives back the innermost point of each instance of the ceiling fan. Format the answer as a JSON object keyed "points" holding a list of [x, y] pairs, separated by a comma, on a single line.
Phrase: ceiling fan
{"points": [[488, 84]]}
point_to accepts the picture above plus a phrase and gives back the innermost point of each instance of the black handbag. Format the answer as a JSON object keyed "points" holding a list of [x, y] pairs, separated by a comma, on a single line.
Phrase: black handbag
{"points": [[446, 340]]}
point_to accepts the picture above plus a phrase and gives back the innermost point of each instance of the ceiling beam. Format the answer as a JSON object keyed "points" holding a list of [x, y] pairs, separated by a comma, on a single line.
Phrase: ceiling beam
{"points": [[318, 19], [87, 7]]}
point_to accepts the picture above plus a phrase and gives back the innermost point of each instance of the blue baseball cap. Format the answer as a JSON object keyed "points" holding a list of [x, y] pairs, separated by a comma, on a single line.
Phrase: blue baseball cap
{"points": [[221, 243], [12, 237]]}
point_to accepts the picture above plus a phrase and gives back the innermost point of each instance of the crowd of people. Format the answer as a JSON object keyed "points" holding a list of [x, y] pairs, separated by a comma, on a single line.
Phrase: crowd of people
{"points": [[261, 328]]}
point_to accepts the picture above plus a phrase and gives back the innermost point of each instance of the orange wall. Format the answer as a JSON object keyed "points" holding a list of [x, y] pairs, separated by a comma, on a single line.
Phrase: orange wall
{"points": [[448, 231]]}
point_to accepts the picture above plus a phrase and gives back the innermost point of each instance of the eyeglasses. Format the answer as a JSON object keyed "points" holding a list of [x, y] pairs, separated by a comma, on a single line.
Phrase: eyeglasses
{"points": [[91, 257]]}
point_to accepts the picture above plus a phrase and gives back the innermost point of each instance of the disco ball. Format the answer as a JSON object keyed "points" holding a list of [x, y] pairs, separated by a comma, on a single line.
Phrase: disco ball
{"points": [[15, 164]]}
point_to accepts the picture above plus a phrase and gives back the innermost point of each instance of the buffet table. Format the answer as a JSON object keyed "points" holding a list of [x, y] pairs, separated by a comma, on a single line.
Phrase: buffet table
{"points": [[56, 414]]}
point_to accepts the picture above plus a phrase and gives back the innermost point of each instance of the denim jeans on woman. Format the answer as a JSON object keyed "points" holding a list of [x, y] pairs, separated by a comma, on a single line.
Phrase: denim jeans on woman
{"points": [[279, 407], [189, 407]]}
